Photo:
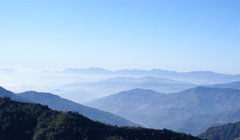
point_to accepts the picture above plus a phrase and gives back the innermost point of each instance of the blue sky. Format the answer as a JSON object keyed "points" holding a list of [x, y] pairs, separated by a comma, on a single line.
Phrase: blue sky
{"points": [[176, 35]]}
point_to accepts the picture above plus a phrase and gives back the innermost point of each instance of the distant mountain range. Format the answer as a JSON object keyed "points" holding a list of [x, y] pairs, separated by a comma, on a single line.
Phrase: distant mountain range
{"points": [[229, 131], [29, 121], [84, 85], [196, 77], [83, 92], [58, 103], [174, 111]]}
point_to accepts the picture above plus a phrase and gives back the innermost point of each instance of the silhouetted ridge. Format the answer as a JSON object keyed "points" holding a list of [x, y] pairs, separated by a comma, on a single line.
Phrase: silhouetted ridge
{"points": [[33, 121]]}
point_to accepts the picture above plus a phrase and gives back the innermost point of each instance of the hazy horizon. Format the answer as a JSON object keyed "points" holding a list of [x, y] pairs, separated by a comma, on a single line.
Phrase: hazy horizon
{"points": [[172, 35], [29, 70]]}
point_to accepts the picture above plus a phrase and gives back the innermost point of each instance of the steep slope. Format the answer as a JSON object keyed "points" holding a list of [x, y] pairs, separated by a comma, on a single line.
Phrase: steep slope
{"points": [[33, 121], [229, 131], [57, 103], [4, 92], [156, 110]]}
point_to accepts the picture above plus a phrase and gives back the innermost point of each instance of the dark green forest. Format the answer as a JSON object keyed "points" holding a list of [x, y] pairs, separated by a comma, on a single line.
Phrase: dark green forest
{"points": [[28, 121]]}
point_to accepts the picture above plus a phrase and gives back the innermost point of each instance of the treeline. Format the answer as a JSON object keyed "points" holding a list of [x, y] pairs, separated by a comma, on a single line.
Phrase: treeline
{"points": [[34, 121]]}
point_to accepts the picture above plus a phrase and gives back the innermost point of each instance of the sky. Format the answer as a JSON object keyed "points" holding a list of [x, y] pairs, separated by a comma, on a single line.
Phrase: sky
{"points": [[180, 35]]}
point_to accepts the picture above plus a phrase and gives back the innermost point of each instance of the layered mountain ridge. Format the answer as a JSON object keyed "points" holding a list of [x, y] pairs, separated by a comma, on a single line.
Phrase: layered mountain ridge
{"points": [[157, 110]]}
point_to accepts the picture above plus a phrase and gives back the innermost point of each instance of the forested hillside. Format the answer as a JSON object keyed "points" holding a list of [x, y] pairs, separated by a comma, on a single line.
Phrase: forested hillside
{"points": [[34, 121]]}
